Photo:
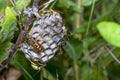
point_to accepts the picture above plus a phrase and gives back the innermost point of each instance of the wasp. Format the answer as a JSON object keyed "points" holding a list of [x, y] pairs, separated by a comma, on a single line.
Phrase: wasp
{"points": [[37, 47]]}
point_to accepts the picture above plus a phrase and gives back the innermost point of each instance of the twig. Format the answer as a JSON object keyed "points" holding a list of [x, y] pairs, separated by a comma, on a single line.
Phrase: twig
{"points": [[68, 73], [114, 57], [24, 29], [101, 50]]}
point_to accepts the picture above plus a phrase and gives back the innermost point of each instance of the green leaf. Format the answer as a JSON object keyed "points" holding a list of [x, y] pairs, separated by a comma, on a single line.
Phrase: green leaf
{"points": [[22, 4], [8, 25], [113, 71], [4, 48], [88, 2], [99, 73], [48, 75], [73, 48], [22, 63], [110, 31], [85, 72], [3, 5], [59, 69], [108, 59], [29, 77], [70, 50], [68, 4]]}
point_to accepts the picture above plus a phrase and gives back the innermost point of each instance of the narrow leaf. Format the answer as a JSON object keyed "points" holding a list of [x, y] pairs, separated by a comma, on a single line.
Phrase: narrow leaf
{"points": [[8, 25], [21, 4], [3, 5], [22, 63], [71, 51], [4, 48], [88, 2]]}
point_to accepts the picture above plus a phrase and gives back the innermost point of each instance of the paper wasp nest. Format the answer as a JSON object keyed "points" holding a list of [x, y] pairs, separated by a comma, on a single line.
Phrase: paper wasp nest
{"points": [[45, 37]]}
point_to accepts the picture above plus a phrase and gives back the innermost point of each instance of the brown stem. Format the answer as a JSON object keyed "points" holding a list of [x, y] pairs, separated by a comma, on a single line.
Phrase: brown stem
{"points": [[76, 71]]}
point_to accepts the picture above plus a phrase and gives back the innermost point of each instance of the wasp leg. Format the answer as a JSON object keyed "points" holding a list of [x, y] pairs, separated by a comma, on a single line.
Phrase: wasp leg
{"points": [[60, 51], [37, 65], [34, 65], [40, 69], [34, 10]]}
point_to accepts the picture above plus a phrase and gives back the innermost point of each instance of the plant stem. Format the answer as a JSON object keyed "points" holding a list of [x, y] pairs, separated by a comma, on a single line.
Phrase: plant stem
{"points": [[91, 13], [78, 15], [76, 70]]}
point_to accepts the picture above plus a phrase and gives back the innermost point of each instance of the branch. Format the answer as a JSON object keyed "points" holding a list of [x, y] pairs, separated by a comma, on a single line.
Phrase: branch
{"points": [[112, 54], [14, 48]]}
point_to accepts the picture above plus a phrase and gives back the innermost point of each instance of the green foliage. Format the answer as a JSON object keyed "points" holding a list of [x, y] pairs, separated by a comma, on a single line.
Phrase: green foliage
{"points": [[110, 32], [8, 25], [21, 62], [3, 5], [4, 48], [84, 56], [72, 48], [21, 4], [87, 2], [68, 5]]}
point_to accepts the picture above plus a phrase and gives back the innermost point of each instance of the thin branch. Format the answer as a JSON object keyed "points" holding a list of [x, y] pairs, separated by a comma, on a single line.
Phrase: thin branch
{"points": [[112, 54]]}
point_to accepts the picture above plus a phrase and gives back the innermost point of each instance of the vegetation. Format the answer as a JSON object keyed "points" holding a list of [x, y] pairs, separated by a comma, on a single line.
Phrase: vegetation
{"points": [[92, 51]]}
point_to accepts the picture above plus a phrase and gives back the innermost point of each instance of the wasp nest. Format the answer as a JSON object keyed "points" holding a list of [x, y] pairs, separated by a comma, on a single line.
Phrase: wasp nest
{"points": [[45, 37]]}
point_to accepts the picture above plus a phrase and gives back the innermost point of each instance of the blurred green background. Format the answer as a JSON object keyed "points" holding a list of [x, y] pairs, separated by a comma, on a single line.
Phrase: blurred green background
{"points": [[94, 34]]}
